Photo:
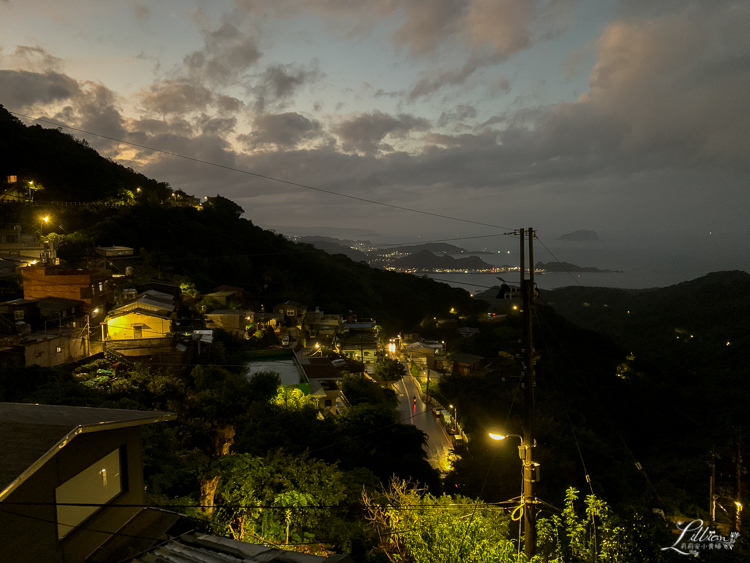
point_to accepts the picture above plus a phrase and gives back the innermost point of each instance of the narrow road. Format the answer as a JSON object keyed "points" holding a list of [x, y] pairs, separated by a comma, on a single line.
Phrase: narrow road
{"points": [[438, 442]]}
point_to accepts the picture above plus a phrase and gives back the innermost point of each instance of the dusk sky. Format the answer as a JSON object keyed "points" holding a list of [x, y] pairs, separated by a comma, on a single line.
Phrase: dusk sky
{"points": [[630, 118]]}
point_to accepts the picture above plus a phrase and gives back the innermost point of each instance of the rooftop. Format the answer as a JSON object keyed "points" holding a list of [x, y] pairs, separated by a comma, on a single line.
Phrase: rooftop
{"points": [[35, 433], [212, 549]]}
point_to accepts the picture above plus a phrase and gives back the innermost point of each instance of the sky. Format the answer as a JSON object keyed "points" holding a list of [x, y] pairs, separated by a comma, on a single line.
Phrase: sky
{"points": [[629, 117]]}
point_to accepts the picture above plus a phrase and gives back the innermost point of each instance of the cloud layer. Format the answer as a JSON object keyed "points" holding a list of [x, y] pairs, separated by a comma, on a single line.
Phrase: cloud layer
{"points": [[662, 120]]}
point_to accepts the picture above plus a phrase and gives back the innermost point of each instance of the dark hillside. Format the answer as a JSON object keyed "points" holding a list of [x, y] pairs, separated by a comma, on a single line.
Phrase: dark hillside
{"points": [[207, 247], [67, 168], [696, 333]]}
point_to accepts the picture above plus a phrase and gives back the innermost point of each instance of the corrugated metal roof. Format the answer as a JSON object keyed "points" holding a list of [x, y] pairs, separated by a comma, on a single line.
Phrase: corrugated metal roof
{"points": [[199, 548]]}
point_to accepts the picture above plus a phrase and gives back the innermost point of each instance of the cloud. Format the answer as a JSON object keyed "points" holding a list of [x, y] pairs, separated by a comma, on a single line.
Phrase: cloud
{"points": [[574, 59], [226, 56], [678, 82], [504, 25], [426, 23], [366, 131], [24, 89], [228, 104], [95, 109], [216, 125], [459, 113], [278, 84], [281, 131], [35, 58], [141, 10], [428, 85], [176, 97]]}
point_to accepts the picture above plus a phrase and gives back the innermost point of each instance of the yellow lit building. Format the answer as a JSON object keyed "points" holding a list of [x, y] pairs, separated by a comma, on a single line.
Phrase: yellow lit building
{"points": [[138, 323]]}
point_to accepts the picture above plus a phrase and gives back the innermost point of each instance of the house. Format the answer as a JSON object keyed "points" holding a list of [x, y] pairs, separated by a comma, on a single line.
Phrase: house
{"points": [[150, 300], [22, 316], [468, 331], [291, 313], [426, 353], [359, 341], [323, 378], [71, 479], [321, 326], [47, 332], [27, 248], [266, 320], [144, 329], [90, 286], [114, 251], [137, 323], [55, 348], [172, 289], [8, 268], [225, 294], [465, 364], [234, 321]]}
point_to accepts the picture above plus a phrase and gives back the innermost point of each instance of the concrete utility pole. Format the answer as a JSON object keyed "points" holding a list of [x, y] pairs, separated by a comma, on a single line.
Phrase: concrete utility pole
{"points": [[529, 467]]}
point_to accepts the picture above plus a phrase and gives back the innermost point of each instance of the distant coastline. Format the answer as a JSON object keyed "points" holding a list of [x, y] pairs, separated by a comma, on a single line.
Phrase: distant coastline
{"points": [[567, 268]]}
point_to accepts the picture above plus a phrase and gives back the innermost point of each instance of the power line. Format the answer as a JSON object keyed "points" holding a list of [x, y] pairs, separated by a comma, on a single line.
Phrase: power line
{"points": [[263, 176]]}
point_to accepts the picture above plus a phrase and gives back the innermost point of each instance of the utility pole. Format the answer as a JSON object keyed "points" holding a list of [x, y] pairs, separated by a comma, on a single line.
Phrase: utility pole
{"points": [[712, 488], [529, 467], [738, 500]]}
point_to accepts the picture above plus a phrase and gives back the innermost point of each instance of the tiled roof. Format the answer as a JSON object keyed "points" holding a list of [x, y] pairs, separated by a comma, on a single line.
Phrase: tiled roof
{"points": [[31, 434]]}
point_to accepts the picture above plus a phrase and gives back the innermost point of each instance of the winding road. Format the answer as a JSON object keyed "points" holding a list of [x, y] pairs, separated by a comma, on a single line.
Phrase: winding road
{"points": [[438, 441]]}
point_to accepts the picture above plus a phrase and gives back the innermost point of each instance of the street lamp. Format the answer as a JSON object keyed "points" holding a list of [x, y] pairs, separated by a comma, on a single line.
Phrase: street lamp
{"points": [[455, 418], [42, 221], [530, 476]]}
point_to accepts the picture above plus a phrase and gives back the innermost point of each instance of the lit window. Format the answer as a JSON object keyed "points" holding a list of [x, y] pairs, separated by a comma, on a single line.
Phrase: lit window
{"points": [[59, 349], [96, 485]]}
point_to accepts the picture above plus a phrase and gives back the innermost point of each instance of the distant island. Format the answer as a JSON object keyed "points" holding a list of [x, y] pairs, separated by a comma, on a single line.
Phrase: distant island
{"points": [[579, 235], [426, 261], [568, 267]]}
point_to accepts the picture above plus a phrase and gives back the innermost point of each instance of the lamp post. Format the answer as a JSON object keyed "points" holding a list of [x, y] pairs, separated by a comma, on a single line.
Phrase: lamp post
{"points": [[455, 417], [42, 221], [527, 497]]}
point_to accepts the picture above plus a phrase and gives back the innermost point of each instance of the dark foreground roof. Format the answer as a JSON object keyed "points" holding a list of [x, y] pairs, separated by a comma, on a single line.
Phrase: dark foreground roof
{"points": [[31, 434], [212, 549]]}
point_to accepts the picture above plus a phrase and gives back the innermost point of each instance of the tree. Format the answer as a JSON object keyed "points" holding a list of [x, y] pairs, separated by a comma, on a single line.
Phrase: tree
{"points": [[415, 526], [389, 370], [278, 499], [597, 535]]}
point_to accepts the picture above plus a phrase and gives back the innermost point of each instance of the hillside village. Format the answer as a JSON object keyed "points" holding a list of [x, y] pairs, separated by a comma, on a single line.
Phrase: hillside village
{"points": [[177, 382]]}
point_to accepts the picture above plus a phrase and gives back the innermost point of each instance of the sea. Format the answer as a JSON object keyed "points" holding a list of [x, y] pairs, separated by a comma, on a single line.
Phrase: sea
{"points": [[638, 266]]}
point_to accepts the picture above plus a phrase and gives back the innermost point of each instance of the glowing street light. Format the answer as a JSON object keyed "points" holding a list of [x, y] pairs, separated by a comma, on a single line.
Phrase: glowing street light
{"points": [[530, 476], [42, 221], [498, 437]]}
